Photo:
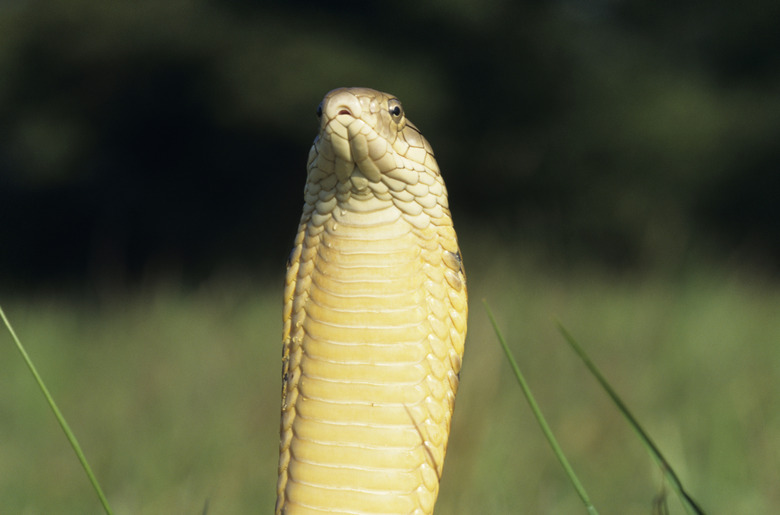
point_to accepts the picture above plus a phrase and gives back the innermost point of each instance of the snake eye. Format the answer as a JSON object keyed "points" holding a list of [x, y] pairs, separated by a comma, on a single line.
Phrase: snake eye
{"points": [[395, 109], [319, 110]]}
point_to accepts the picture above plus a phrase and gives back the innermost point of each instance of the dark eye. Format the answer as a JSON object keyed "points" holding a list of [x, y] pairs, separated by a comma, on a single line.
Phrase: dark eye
{"points": [[319, 110], [395, 109]]}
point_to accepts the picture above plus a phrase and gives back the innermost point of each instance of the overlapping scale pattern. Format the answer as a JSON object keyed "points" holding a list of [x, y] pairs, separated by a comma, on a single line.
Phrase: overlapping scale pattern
{"points": [[374, 319]]}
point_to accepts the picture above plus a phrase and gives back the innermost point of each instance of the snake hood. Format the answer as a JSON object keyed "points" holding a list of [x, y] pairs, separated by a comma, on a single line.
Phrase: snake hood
{"points": [[374, 318]]}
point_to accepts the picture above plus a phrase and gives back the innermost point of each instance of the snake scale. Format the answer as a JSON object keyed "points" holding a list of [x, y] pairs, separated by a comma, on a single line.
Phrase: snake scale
{"points": [[374, 318]]}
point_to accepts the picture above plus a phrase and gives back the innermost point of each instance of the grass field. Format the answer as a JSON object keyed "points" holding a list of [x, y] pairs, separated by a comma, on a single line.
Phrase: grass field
{"points": [[174, 395]]}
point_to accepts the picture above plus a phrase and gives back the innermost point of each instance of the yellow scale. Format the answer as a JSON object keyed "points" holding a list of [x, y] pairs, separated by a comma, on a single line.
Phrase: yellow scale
{"points": [[374, 318]]}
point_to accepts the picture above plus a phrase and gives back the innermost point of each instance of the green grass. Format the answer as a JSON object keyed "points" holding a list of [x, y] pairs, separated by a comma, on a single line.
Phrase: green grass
{"points": [[672, 479], [174, 396], [543, 425], [72, 440]]}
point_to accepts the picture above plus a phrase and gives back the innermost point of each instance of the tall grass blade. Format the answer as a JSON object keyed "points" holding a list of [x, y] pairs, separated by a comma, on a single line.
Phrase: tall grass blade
{"points": [[691, 506], [68, 433], [540, 417]]}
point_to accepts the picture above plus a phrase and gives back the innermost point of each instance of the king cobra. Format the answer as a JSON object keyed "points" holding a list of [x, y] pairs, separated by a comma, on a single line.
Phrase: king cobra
{"points": [[374, 318]]}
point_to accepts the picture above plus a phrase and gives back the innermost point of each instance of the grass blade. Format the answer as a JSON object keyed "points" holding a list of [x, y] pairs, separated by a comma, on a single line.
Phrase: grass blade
{"points": [[63, 423], [540, 417], [688, 502]]}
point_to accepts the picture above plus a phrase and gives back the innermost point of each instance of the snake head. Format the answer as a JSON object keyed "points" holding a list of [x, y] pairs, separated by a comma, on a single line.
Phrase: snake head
{"points": [[367, 129], [367, 149]]}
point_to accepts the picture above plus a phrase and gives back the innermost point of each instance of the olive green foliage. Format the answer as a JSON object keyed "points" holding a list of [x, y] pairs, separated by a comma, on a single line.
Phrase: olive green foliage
{"points": [[152, 135]]}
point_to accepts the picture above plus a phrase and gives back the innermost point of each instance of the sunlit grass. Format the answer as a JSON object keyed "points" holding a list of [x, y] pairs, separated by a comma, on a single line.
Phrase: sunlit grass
{"points": [[175, 395], [689, 503], [548, 434], [72, 440]]}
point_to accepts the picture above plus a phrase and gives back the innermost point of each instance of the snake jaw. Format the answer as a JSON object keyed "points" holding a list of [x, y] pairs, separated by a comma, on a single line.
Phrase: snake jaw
{"points": [[335, 136]]}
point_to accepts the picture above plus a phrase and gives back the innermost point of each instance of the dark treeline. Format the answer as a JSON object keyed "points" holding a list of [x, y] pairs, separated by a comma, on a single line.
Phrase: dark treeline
{"points": [[151, 135]]}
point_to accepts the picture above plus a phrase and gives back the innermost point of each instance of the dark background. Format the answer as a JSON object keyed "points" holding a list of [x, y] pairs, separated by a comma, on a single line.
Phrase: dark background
{"points": [[159, 137]]}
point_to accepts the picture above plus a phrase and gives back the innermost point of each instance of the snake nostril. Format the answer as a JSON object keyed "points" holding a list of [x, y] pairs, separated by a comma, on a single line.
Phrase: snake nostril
{"points": [[345, 111]]}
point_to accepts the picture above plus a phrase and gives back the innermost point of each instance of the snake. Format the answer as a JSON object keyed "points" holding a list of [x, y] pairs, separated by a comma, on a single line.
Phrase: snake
{"points": [[374, 318]]}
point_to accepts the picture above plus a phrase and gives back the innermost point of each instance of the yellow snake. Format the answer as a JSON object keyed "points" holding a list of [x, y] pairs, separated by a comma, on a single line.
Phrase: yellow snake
{"points": [[374, 318]]}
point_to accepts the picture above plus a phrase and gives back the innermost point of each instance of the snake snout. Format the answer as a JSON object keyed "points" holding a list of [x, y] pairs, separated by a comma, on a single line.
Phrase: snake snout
{"points": [[341, 101]]}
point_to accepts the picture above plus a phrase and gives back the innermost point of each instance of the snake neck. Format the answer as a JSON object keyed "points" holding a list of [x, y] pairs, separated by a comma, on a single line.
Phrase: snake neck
{"points": [[374, 318], [371, 325]]}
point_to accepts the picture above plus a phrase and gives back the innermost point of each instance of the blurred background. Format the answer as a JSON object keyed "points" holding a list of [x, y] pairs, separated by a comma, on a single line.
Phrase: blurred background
{"points": [[612, 164]]}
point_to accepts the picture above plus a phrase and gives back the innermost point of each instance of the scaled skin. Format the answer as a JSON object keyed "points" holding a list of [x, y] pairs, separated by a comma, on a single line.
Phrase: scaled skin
{"points": [[374, 318]]}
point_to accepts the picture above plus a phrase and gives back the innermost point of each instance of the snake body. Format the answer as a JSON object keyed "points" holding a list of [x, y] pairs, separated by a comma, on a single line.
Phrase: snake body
{"points": [[374, 318]]}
